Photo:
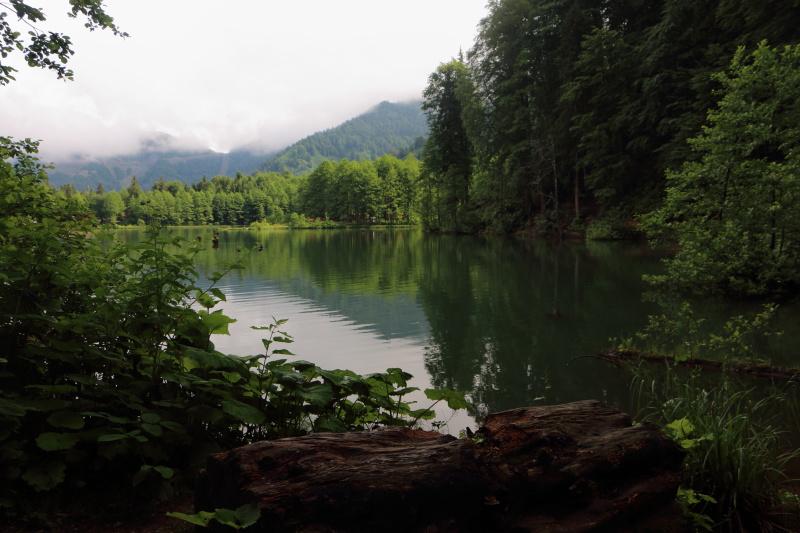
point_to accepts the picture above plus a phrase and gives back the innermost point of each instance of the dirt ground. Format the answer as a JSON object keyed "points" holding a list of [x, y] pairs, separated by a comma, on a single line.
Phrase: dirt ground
{"points": [[153, 520]]}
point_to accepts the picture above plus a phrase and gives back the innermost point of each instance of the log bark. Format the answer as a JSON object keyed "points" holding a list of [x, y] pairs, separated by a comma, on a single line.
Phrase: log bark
{"points": [[577, 467]]}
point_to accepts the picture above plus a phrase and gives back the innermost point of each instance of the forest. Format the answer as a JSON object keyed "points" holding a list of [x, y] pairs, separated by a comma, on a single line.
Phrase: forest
{"points": [[384, 189], [567, 107]]}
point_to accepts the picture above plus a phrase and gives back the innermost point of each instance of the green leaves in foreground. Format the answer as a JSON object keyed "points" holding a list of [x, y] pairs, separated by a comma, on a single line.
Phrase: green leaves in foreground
{"points": [[110, 386], [244, 516]]}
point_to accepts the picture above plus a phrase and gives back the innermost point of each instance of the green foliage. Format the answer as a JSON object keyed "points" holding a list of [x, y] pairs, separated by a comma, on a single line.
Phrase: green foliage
{"points": [[448, 153], [241, 518], [736, 459], [111, 385], [593, 101], [367, 191], [682, 335], [47, 50], [734, 212]]}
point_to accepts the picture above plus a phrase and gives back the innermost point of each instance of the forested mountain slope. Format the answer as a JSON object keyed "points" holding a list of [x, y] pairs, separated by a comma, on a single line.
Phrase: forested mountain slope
{"points": [[388, 128]]}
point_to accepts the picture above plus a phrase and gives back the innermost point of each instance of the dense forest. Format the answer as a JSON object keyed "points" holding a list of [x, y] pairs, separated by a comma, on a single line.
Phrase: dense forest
{"points": [[384, 189], [562, 108]]}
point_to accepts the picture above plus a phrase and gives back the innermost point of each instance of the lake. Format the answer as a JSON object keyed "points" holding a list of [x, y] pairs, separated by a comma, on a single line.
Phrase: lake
{"points": [[511, 321]]}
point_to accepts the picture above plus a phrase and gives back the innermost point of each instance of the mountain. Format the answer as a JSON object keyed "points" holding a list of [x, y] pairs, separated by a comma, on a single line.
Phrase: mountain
{"points": [[388, 128], [148, 165]]}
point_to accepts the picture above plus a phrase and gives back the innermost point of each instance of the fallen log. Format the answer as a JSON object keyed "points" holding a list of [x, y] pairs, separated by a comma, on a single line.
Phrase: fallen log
{"points": [[751, 369], [577, 467]]}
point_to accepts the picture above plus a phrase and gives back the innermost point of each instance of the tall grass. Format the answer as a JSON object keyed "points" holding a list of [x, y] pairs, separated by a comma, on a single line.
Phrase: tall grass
{"points": [[737, 453]]}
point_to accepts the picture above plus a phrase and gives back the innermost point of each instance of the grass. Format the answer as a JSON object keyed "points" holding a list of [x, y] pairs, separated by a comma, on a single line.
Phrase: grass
{"points": [[737, 453]]}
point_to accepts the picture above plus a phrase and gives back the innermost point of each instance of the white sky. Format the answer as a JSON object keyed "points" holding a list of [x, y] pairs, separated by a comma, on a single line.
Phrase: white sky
{"points": [[223, 75]]}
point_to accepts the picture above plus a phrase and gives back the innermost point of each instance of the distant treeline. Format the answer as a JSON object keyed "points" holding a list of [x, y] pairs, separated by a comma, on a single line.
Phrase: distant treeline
{"points": [[347, 190], [566, 106]]}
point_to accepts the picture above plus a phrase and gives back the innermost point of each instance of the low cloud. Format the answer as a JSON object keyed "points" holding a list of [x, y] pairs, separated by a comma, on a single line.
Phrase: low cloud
{"points": [[195, 75]]}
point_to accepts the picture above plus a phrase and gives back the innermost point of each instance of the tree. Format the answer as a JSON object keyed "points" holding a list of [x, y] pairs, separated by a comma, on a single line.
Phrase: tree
{"points": [[45, 49], [448, 150], [735, 211]]}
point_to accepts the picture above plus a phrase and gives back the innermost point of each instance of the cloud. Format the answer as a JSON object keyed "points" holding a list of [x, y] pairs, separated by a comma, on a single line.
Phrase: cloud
{"points": [[225, 75]]}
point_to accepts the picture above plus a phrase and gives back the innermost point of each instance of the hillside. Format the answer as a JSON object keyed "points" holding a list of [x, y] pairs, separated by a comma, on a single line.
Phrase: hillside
{"points": [[388, 128], [115, 172]]}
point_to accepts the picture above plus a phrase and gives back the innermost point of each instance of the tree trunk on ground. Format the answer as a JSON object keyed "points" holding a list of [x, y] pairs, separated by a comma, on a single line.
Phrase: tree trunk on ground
{"points": [[576, 467]]}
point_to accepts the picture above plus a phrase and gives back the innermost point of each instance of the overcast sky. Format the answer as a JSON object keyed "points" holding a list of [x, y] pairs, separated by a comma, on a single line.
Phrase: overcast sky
{"points": [[223, 75]]}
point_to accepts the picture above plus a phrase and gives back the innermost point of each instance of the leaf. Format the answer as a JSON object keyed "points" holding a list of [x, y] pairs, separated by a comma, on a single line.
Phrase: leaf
{"points": [[173, 426], [110, 418], [45, 476], [153, 429], [404, 391], [241, 411], [140, 476], [66, 419], [219, 294], [112, 437], [206, 300], [216, 322], [165, 472], [248, 514], [150, 418], [10, 408], [329, 423], [454, 399], [317, 393], [51, 442], [200, 519], [681, 427]]}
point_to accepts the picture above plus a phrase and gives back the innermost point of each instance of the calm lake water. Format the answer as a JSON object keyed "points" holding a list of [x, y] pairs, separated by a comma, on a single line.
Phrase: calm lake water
{"points": [[471, 313]]}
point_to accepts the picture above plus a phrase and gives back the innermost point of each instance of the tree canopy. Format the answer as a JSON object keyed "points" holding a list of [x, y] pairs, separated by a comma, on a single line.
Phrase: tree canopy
{"points": [[734, 210], [45, 49], [594, 101]]}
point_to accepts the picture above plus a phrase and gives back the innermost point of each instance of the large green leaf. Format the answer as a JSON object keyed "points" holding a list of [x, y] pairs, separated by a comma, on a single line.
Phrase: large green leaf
{"points": [[216, 322], [10, 408], [46, 475], [66, 419], [51, 442], [241, 411]]}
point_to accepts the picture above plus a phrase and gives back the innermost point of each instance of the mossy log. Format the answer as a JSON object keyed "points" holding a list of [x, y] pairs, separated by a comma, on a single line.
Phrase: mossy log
{"points": [[577, 467], [752, 369]]}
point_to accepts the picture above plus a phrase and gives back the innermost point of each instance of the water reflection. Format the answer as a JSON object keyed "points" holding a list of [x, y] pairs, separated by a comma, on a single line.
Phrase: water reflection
{"points": [[507, 320]]}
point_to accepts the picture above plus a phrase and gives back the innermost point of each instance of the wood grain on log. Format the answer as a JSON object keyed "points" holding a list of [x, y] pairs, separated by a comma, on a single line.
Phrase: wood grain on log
{"points": [[576, 467]]}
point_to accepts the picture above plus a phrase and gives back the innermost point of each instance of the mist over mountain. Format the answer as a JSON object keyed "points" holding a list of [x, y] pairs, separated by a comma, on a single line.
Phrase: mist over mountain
{"points": [[148, 166], [388, 128]]}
